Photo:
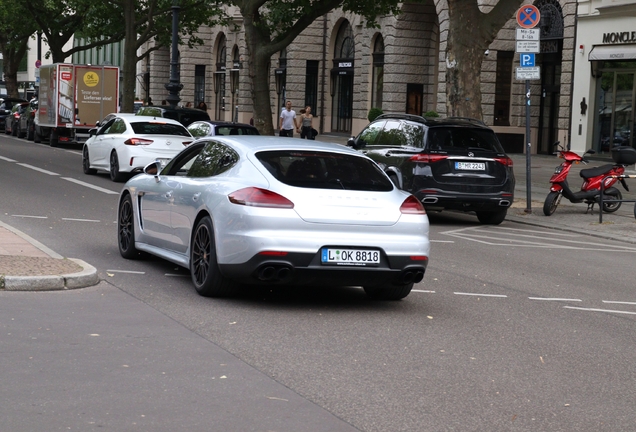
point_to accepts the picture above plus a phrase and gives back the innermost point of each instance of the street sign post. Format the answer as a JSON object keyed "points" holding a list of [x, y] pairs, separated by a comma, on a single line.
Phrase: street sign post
{"points": [[528, 43]]}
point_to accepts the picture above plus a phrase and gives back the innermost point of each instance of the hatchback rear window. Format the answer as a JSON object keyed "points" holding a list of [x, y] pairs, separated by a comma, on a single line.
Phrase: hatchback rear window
{"points": [[325, 170], [463, 139], [158, 128]]}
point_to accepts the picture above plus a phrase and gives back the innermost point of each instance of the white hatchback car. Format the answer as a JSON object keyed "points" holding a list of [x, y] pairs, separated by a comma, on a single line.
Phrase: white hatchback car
{"points": [[126, 143]]}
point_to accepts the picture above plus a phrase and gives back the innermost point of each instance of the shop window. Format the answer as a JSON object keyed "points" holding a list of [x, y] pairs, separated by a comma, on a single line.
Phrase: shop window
{"points": [[199, 84], [378, 73], [311, 85]]}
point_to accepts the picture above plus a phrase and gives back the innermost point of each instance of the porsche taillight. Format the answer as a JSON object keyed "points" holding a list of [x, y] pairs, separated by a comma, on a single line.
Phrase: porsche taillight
{"points": [[257, 197], [412, 205]]}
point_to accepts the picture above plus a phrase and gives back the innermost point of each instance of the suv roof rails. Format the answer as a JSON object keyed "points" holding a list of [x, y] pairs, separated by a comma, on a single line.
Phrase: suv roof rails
{"points": [[402, 116], [469, 119]]}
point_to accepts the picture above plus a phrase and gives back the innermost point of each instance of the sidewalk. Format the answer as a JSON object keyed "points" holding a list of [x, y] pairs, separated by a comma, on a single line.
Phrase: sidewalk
{"points": [[27, 265]]}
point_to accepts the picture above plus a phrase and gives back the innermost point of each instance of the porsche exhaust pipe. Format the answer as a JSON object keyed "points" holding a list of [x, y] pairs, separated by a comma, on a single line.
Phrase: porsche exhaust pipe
{"points": [[267, 273]]}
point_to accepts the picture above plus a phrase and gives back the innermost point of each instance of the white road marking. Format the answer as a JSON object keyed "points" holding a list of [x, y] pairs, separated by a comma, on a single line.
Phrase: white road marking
{"points": [[553, 299], [80, 220], [502, 236], [74, 152], [481, 295], [7, 159], [88, 185], [600, 310], [37, 169], [33, 217], [442, 241], [619, 302], [423, 291], [126, 271]]}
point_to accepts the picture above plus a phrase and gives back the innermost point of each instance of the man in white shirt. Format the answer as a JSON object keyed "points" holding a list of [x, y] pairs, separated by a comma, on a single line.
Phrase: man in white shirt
{"points": [[287, 122]]}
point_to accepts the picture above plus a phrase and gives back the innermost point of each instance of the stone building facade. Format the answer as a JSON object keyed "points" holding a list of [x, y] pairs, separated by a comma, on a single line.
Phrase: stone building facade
{"points": [[343, 69]]}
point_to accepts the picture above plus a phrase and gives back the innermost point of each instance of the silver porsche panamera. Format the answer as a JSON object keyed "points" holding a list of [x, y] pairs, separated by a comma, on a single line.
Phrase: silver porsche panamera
{"points": [[270, 210]]}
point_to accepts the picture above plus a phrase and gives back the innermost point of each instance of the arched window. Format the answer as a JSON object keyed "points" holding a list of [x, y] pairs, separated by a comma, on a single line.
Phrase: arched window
{"points": [[342, 79], [377, 83]]}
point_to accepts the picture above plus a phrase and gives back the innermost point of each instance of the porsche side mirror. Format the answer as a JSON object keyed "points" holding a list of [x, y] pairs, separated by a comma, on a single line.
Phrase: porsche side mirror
{"points": [[153, 169]]}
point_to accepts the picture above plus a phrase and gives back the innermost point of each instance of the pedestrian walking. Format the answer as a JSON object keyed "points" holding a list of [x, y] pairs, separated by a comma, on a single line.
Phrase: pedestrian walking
{"points": [[288, 121], [202, 106], [306, 124]]}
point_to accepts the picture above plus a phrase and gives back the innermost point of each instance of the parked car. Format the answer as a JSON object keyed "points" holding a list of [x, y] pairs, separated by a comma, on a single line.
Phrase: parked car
{"points": [[269, 210], [6, 104], [448, 164], [205, 128], [12, 120], [26, 127], [185, 116], [127, 142]]}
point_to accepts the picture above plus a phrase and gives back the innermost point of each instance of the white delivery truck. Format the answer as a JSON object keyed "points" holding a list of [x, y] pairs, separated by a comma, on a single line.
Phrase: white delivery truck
{"points": [[72, 99]]}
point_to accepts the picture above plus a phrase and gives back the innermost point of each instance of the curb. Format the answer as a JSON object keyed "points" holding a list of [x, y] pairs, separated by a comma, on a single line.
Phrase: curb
{"points": [[85, 278]]}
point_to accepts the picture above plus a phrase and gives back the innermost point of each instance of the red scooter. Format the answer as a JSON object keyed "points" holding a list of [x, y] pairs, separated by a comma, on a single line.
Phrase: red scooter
{"points": [[592, 177]]}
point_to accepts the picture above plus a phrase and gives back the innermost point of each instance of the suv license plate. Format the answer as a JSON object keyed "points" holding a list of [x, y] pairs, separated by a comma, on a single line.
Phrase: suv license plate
{"points": [[474, 166], [350, 257]]}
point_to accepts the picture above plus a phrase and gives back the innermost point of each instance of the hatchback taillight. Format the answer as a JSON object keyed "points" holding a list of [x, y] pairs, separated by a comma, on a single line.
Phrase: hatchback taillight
{"points": [[428, 158], [138, 141], [257, 197], [412, 205]]}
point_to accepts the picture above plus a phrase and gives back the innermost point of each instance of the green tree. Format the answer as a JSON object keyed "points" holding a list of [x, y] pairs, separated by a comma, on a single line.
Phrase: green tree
{"points": [[470, 32], [271, 25], [137, 22], [16, 26]]}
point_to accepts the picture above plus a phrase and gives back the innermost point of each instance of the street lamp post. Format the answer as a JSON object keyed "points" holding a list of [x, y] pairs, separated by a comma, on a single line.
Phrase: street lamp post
{"points": [[174, 86]]}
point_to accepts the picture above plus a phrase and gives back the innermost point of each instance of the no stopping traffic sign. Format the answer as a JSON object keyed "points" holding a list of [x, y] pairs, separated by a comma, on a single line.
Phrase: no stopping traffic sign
{"points": [[528, 16]]}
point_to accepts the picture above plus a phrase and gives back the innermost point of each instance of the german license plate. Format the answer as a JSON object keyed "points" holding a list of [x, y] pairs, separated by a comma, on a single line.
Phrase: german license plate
{"points": [[472, 166], [350, 257]]}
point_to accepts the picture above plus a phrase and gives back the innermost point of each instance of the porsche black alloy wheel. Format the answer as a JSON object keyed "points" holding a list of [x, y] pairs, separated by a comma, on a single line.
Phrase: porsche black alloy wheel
{"points": [[126, 229], [204, 268]]}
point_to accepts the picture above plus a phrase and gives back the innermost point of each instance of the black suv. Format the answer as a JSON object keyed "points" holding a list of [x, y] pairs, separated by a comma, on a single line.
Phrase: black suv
{"points": [[448, 164], [185, 116]]}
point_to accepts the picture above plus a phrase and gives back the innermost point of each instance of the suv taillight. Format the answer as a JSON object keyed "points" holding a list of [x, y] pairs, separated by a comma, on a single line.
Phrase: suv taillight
{"points": [[428, 158], [504, 160]]}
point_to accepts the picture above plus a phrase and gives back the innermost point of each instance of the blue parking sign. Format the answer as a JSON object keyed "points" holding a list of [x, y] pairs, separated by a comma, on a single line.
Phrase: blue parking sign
{"points": [[526, 59]]}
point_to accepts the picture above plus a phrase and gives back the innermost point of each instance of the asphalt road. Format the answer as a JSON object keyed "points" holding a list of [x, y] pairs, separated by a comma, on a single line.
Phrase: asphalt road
{"points": [[513, 328]]}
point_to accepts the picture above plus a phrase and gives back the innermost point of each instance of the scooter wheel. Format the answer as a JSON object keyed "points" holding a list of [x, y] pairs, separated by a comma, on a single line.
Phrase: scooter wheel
{"points": [[609, 203], [551, 203]]}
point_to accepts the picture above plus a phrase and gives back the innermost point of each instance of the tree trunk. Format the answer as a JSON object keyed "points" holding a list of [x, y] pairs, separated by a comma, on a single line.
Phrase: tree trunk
{"points": [[129, 67], [258, 72], [12, 57], [470, 32], [464, 54]]}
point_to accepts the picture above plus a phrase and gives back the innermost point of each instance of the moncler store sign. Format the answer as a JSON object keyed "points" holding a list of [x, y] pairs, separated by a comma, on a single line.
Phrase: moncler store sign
{"points": [[619, 37]]}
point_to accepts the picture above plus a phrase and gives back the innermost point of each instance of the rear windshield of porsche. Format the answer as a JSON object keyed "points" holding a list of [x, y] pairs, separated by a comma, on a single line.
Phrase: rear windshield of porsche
{"points": [[325, 170], [159, 128]]}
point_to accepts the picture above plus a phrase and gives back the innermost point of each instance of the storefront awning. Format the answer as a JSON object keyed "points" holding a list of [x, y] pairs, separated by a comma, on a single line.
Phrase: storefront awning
{"points": [[613, 52]]}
